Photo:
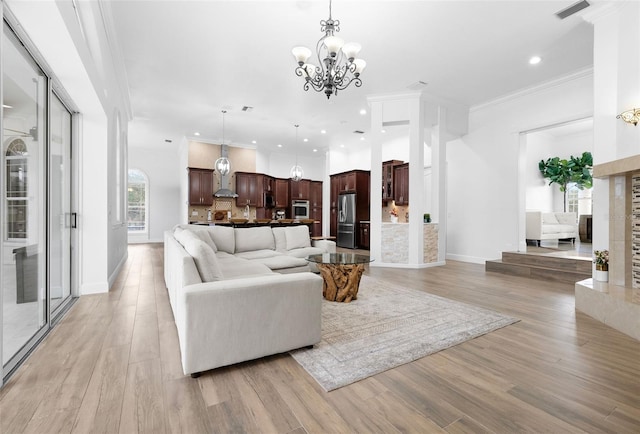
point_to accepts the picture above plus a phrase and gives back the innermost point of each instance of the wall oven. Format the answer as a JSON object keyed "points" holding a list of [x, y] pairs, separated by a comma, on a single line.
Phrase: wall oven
{"points": [[300, 209]]}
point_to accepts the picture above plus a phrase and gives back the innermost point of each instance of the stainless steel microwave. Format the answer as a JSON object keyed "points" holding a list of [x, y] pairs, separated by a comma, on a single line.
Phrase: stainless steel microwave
{"points": [[300, 209]]}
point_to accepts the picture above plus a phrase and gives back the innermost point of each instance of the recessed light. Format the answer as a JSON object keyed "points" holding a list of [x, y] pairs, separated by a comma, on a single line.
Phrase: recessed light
{"points": [[254, 142], [279, 145], [323, 132], [342, 146], [315, 150], [535, 60], [305, 140], [363, 112], [383, 131], [362, 138], [196, 133]]}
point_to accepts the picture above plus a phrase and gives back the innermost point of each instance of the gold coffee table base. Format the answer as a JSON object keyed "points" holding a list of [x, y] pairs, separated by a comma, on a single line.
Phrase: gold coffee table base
{"points": [[341, 282]]}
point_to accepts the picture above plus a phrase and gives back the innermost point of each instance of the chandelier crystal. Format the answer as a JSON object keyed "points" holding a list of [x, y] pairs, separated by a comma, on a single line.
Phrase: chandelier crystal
{"points": [[222, 164], [338, 65], [296, 173]]}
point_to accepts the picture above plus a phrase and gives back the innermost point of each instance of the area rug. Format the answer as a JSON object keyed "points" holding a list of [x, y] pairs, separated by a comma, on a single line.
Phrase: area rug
{"points": [[388, 326]]}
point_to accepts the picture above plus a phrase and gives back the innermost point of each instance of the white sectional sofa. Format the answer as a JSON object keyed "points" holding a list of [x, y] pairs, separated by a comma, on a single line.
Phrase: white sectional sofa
{"points": [[551, 226], [238, 294]]}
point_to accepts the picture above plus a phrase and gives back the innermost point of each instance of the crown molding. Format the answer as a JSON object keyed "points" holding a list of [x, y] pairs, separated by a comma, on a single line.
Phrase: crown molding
{"points": [[580, 74]]}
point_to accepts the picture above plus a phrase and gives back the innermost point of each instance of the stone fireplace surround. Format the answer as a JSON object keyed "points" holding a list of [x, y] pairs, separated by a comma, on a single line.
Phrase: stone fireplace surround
{"points": [[617, 302]]}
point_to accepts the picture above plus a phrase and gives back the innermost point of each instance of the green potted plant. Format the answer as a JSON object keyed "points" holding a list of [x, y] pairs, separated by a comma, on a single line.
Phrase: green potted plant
{"points": [[426, 217], [575, 170]]}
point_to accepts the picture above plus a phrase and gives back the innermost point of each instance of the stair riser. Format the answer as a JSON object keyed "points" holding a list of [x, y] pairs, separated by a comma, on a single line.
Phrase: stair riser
{"points": [[567, 264], [536, 273]]}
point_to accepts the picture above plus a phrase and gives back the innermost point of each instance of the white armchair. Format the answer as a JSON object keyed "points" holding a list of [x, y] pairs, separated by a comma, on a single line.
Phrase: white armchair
{"points": [[551, 226]]}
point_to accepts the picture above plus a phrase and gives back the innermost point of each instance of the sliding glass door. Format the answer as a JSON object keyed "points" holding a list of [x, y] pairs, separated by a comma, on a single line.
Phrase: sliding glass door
{"points": [[37, 220], [61, 220], [24, 303]]}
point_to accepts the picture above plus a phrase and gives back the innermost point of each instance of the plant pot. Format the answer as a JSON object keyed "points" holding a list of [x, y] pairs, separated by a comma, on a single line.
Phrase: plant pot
{"points": [[601, 276]]}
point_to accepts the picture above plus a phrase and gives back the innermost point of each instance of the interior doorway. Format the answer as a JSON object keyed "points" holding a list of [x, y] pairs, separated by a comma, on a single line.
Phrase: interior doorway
{"points": [[561, 140]]}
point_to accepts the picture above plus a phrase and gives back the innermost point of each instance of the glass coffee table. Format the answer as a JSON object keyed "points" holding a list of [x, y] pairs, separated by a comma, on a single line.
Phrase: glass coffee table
{"points": [[341, 273]]}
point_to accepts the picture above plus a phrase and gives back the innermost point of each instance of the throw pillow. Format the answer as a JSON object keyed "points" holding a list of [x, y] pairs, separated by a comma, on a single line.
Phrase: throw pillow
{"points": [[297, 237], [280, 239], [183, 235], [203, 234], [223, 237], [205, 259]]}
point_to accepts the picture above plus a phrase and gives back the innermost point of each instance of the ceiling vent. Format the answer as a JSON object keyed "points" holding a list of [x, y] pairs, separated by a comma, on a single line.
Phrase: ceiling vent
{"points": [[358, 132], [576, 7], [246, 108]]}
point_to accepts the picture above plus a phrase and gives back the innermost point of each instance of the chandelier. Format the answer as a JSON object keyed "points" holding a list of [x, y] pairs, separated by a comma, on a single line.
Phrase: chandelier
{"points": [[296, 173], [630, 116], [338, 66], [222, 164]]}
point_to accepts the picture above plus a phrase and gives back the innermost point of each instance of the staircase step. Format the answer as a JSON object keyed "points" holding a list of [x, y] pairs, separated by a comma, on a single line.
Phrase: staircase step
{"points": [[536, 272], [571, 264]]}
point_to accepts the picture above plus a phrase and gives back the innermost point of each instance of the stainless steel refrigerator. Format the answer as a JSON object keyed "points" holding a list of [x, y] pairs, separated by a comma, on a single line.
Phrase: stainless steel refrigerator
{"points": [[347, 220]]}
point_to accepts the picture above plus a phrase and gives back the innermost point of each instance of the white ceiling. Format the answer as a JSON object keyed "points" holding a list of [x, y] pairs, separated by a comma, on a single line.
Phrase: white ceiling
{"points": [[187, 60]]}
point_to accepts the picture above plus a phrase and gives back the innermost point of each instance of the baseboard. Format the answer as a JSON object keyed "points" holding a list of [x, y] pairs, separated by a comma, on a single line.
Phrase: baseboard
{"points": [[464, 258], [413, 266], [118, 268]]}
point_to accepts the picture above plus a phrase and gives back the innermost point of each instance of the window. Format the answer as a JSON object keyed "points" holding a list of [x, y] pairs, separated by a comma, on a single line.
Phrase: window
{"points": [[578, 201], [17, 203], [137, 201]]}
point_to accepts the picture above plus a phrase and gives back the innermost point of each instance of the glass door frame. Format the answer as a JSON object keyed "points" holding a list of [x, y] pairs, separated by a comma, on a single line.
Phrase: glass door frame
{"points": [[53, 88]]}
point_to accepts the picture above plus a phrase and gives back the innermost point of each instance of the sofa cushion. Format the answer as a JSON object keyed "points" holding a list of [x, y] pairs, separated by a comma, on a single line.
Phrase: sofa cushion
{"points": [[281, 262], [183, 235], [303, 252], [558, 229], [297, 237], [258, 254], [549, 218], [239, 268], [223, 237], [201, 232], [250, 239], [280, 239], [205, 259]]}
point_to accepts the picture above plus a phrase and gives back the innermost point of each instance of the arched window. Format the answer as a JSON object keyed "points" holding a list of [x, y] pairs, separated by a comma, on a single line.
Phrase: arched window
{"points": [[137, 202], [17, 195]]}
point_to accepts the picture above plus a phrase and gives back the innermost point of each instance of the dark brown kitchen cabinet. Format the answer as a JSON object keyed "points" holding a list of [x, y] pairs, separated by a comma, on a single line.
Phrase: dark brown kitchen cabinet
{"points": [[333, 222], [335, 190], [364, 235], [401, 184], [282, 194], [315, 194], [299, 190], [268, 183], [347, 182], [387, 179], [200, 186], [247, 189], [316, 215]]}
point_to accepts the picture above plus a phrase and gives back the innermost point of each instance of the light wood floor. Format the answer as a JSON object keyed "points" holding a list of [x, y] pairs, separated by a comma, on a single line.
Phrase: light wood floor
{"points": [[112, 365]]}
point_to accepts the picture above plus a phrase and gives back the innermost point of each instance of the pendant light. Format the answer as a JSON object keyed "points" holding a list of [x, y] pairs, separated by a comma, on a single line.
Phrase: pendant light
{"points": [[296, 173], [222, 164]]}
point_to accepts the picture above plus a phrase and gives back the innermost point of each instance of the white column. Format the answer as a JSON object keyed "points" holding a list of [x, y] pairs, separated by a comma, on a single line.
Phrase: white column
{"points": [[416, 180], [375, 212], [439, 177]]}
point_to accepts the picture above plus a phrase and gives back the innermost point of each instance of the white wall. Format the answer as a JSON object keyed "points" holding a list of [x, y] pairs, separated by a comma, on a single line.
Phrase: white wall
{"points": [[484, 216], [280, 164], [164, 187]]}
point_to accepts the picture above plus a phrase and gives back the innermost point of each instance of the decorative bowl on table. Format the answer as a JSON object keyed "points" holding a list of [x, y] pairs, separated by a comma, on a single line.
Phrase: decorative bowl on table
{"points": [[238, 220], [262, 221]]}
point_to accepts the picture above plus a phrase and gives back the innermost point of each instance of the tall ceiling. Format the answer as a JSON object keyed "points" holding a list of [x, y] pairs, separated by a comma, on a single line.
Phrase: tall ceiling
{"points": [[188, 60]]}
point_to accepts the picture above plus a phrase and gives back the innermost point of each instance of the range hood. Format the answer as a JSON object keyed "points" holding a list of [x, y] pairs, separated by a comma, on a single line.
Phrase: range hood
{"points": [[224, 191]]}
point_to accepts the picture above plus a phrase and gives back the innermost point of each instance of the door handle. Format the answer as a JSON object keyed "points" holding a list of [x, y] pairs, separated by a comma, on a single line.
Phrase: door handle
{"points": [[73, 220]]}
